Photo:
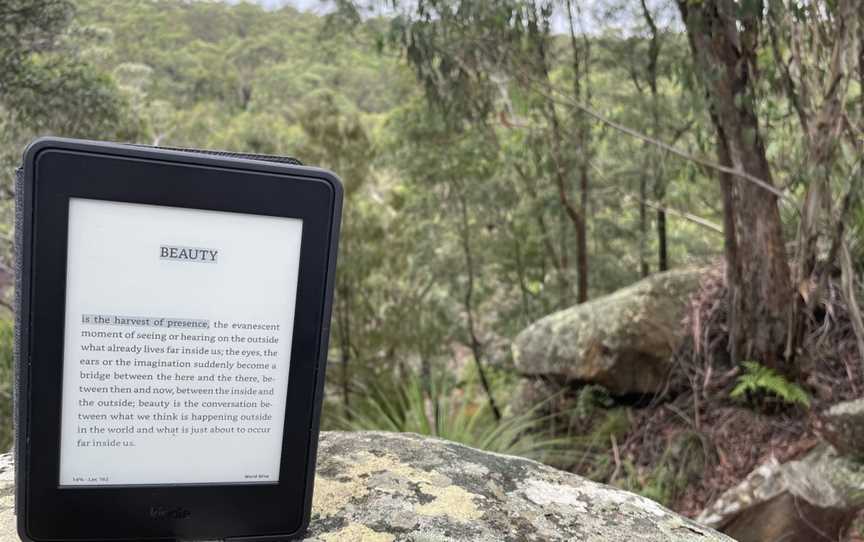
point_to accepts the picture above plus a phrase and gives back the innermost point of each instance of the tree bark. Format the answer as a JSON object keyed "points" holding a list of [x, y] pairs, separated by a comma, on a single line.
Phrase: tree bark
{"points": [[582, 237], [723, 41]]}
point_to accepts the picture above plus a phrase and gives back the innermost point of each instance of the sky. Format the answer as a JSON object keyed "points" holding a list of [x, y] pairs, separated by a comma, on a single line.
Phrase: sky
{"points": [[594, 20], [323, 6], [304, 5]]}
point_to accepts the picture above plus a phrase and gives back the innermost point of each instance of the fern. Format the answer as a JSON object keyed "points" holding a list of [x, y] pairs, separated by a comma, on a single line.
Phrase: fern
{"points": [[591, 398], [758, 378]]}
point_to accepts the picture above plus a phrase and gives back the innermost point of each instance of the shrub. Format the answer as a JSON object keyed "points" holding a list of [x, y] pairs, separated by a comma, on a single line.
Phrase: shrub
{"points": [[453, 411]]}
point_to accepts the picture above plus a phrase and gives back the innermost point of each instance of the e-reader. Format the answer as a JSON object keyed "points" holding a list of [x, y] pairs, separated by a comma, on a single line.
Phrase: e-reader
{"points": [[173, 313]]}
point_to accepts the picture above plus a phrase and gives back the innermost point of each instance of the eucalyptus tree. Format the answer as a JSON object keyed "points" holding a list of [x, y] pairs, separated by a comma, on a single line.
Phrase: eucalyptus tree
{"points": [[468, 57], [644, 43], [451, 165], [814, 51], [818, 63]]}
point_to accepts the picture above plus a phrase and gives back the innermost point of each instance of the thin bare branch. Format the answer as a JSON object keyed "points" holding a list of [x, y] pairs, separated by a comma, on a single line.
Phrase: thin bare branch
{"points": [[567, 101]]}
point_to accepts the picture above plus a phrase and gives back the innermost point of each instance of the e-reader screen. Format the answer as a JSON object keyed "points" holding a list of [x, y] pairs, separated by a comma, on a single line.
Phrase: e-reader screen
{"points": [[178, 331]]}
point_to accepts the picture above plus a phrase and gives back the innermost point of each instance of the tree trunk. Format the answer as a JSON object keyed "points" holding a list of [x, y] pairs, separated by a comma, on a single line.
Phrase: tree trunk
{"points": [[582, 238], [723, 43], [820, 103], [644, 270], [662, 250], [581, 65], [476, 346], [344, 319], [657, 181]]}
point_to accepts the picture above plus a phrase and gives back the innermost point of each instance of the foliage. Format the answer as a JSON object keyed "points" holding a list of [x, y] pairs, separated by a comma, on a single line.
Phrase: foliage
{"points": [[48, 88], [590, 398], [680, 464], [211, 74], [451, 410], [758, 379], [28, 25]]}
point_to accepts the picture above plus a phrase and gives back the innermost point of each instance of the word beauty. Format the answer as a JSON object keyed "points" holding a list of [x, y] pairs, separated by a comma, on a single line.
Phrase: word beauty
{"points": [[190, 254]]}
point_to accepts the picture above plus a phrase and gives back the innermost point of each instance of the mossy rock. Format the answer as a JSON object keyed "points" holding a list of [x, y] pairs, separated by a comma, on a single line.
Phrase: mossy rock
{"points": [[623, 341]]}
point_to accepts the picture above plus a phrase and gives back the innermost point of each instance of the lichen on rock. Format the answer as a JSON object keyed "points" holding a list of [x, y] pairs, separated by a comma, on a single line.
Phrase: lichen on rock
{"points": [[392, 487], [843, 427], [422, 489]]}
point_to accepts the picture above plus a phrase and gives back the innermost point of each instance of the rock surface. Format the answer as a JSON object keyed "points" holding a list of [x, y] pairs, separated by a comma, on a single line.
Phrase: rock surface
{"points": [[843, 427], [815, 498], [382, 487], [623, 341]]}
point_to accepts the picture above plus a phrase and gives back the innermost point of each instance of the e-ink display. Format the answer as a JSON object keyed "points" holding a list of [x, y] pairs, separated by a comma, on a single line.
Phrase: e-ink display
{"points": [[178, 331]]}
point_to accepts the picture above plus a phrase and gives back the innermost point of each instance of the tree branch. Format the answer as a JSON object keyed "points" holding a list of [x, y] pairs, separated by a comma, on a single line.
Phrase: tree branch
{"points": [[566, 101]]}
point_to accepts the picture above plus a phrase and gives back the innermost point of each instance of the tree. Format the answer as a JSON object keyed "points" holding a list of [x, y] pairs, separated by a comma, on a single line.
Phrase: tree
{"points": [[816, 51], [336, 139], [45, 89], [649, 56], [26, 27], [466, 54], [724, 39], [457, 178]]}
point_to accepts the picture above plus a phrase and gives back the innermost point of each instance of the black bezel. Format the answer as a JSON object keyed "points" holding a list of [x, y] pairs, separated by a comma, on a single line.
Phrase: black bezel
{"points": [[58, 169]]}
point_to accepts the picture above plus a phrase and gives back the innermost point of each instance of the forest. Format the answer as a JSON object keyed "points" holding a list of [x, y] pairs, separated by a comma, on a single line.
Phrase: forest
{"points": [[621, 237]]}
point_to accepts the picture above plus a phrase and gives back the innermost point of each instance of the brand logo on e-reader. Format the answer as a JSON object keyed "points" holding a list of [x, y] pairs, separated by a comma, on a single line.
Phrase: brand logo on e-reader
{"points": [[167, 512], [188, 254]]}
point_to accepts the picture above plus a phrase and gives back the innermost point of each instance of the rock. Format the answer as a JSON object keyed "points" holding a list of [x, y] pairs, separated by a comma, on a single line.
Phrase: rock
{"points": [[623, 341], [842, 425], [815, 498], [8, 532], [383, 487], [535, 393]]}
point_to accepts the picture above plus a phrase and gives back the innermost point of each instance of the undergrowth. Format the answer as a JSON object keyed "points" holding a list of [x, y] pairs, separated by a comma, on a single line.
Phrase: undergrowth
{"points": [[680, 465], [741, 413], [453, 410]]}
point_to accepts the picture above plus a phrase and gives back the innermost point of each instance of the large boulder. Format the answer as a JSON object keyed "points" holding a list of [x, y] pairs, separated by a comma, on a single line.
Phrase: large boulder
{"points": [[623, 341], [382, 487]]}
